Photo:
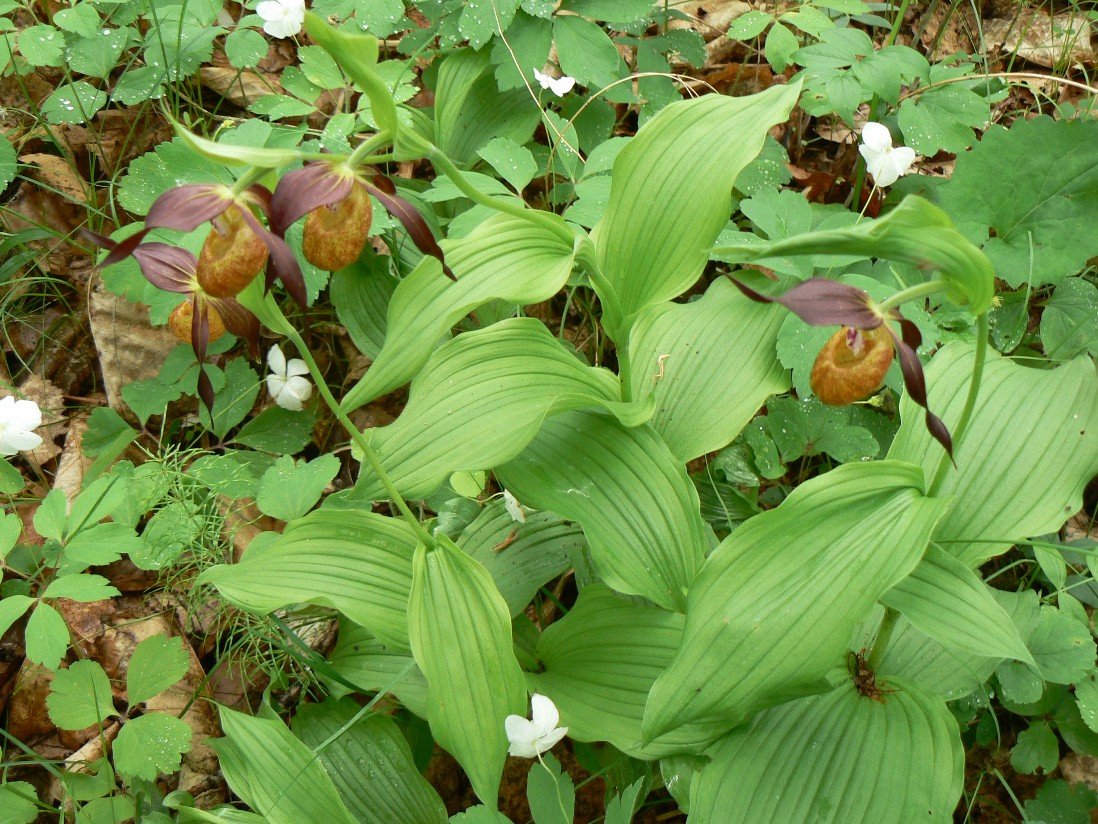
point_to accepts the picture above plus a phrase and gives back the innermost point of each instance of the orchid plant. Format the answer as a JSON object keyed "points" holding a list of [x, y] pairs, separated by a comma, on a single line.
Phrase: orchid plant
{"points": [[676, 649]]}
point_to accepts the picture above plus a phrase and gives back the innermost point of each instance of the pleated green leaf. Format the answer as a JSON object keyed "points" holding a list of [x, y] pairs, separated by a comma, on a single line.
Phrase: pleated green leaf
{"points": [[916, 657], [370, 764], [671, 196], [837, 758], [470, 110], [353, 560], [505, 257], [1030, 448], [632, 497], [774, 606], [461, 638], [372, 666], [479, 400], [711, 364], [599, 662], [946, 600], [521, 557], [274, 773]]}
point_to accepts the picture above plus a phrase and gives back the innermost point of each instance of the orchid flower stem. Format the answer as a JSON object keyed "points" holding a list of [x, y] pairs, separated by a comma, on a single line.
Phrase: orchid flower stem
{"points": [[250, 176], [362, 151], [357, 436], [625, 373], [982, 333], [447, 167], [880, 642], [920, 290]]}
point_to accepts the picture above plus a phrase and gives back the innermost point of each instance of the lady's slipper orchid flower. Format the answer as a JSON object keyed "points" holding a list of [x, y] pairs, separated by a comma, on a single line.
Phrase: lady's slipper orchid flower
{"points": [[286, 383], [852, 364], [529, 739], [18, 420], [282, 18], [336, 198], [560, 86], [885, 162], [202, 319]]}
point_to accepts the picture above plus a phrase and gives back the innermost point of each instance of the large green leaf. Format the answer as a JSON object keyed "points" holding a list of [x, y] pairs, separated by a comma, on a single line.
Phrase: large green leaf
{"points": [[372, 666], [479, 400], [599, 662], [838, 758], [671, 196], [274, 773], [461, 638], [1030, 448], [773, 608], [353, 560], [370, 764], [632, 497], [946, 600], [712, 364], [470, 110], [505, 257], [521, 557]]}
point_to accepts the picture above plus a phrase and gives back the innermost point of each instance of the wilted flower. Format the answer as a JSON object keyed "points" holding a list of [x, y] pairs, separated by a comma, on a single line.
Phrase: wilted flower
{"points": [[560, 86], [336, 198], [885, 163], [285, 383], [529, 739], [854, 374], [282, 18], [18, 419], [516, 510]]}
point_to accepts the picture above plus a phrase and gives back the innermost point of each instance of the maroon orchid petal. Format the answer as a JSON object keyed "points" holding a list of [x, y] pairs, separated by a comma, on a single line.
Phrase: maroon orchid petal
{"points": [[200, 338], [383, 189], [283, 266], [261, 196], [915, 380], [823, 302], [302, 190], [240, 322], [118, 250], [185, 208], [167, 267]]}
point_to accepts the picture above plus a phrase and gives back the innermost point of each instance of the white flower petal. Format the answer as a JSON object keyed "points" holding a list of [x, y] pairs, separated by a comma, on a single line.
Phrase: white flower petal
{"points": [[514, 508], [528, 739], [543, 79], [25, 415], [275, 359], [562, 85], [17, 441], [300, 388], [296, 366], [545, 713], [17, 419], [876, 136], [521, 735]]}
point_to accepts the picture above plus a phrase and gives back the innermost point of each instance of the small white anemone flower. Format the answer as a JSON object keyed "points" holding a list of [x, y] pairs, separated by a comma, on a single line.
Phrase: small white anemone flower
{"points": [[285, 383], [560, 86], [17, 419], [282, 18], [529, 739], [884, 162], [517, 511]]}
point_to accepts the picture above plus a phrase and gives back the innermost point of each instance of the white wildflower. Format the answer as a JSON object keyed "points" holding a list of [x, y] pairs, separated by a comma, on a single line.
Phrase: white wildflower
{"points": [[529, 739], [285, 383], [560, 86], [17, 420], [884, 162], [282, 18]]}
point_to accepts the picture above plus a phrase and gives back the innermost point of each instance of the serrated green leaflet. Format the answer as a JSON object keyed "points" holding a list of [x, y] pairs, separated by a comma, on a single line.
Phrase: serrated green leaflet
{"points": [[275, 773], [743, 650], [157, 663], [370, 764], [840, 757], [80, 695], [460, 632], [1031, 446], [674, 349], [671, 196], [150, 745], [599, 663], [633, 498], [356, 561], [427, 303], [479, 400]]}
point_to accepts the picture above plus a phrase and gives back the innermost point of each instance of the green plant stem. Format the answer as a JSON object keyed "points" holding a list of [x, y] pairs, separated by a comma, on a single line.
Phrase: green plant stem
{"points": [[362, 151], [900, 12], [920, 290], [625, 373], [982, 332], [250, 176], [444, 165], [884, 635]]}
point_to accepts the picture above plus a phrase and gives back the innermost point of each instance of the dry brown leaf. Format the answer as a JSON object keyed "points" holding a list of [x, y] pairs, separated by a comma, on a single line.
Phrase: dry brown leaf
{"points": [[239, 87], [1059, 40], [58, 174], [73, 464], [129, 349], [711, 19], [51, 401]]}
